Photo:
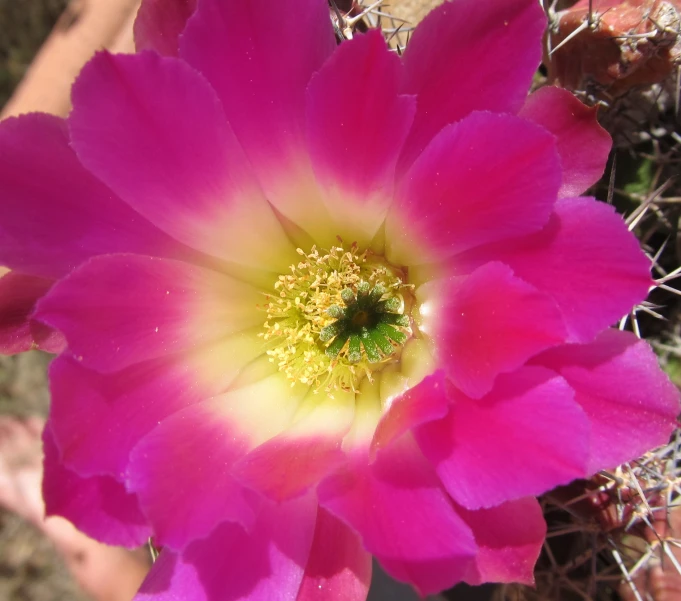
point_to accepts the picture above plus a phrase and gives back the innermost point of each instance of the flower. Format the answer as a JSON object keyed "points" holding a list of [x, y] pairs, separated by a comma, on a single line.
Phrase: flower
{"points": [[322, 301]]}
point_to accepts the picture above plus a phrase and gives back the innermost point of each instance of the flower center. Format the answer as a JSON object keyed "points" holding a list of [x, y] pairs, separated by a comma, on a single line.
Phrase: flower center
{"points": [[337, 318]]}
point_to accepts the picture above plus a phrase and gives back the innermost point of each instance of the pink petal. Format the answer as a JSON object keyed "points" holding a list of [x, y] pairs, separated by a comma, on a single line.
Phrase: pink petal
{"points": [[510, 537], [18, 332], [118, 310], [98, 418], [99, 506], [503, 446], [455, 63], [433, 548], [51, 223], [356, 124], [181, 470], [408, 411], [487, 324], [284, 468], [486, 178], [159, 24], [631, 404], [175, 158], [269, 55], [181, 474], [583, 144], [339, 569], [297, 459], [584, 258], [234, 565]]}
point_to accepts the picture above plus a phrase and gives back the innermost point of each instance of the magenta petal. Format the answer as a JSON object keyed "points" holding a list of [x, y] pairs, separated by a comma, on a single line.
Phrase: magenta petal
{"points": [[51, 223], [339, 569], [408, 411], [175, 159], [301, 455], [268, 54], [486, 178], [99, 506], [18, 332], [469, 317], [97, 419], [234, 565], [432, 549], [510, 537], [159, 24], [182, 470], [503, 446], [452, 62], [283, 468], [631, 404], [361, 109], [583, 144], [584, 258], [181, 473], [118, 310], [259, 58]]}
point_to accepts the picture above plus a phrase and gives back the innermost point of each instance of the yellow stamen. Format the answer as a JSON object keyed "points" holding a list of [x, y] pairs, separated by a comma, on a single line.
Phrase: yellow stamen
{"points": [[308, 300]]}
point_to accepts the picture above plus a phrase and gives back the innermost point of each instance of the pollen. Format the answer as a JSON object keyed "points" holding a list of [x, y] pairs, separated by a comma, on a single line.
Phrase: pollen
{"points": [[337, 317]]}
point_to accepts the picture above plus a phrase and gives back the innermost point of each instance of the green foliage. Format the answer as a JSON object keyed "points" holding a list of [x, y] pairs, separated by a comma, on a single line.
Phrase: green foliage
{"points": [[642, 180]]}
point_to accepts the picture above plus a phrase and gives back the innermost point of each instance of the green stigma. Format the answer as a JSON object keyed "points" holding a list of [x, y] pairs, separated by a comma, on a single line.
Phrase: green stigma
{"points": [[367, 326], [337, 318]]}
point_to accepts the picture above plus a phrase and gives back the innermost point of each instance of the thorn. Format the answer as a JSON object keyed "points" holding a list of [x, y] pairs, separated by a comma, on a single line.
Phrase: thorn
{"points": [[670, 289], [611, 182], [658, 254], [634, 324], [677, 96], [352, 21], [394, 34], [671, 276], [633, 219], [672, 558], [575, 33], [653, 313]]}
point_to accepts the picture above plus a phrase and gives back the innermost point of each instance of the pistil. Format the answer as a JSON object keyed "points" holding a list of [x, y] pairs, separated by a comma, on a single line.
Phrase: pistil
{"points": [[366, 323]]}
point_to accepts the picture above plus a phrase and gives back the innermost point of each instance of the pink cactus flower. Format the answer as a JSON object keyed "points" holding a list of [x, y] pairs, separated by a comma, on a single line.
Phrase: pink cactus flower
{"points": [[323, 302]]}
